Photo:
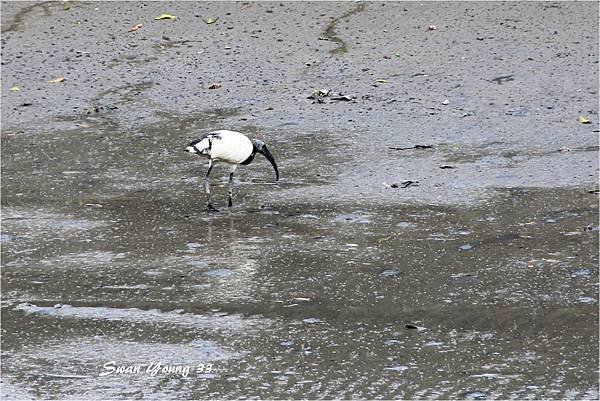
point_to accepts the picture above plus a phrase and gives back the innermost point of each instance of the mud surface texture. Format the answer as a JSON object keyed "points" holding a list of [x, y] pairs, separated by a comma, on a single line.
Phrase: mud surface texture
{"points": [[465, 267]]}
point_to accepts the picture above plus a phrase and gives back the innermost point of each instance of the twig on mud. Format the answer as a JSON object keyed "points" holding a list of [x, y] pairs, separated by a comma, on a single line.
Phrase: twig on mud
{"points": [[412, 147]]}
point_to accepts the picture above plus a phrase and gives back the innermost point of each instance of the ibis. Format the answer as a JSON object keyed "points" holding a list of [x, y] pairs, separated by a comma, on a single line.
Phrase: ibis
{"points": [[232, 148]]}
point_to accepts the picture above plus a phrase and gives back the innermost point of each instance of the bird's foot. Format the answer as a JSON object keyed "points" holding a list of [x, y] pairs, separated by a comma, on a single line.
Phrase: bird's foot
{"points": [[211, 208]]}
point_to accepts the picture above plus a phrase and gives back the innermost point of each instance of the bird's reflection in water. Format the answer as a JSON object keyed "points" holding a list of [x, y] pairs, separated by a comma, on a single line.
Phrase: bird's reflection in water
{"points": [[223, 227]]}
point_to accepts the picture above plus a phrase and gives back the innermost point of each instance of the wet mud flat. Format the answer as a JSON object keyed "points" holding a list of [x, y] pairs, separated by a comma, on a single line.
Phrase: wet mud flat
{"points": [[466, 268], [497, 300]]}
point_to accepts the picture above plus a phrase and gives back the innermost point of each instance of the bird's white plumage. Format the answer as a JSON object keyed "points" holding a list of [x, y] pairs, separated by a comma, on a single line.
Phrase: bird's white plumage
{"points": [[202, 147], [227, 146]]}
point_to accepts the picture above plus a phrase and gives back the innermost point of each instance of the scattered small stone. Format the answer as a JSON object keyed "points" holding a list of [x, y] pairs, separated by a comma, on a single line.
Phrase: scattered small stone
{"points": [[352, 218], [582, 273], [344, 98], [520, 112], [58, 306], [312, 320], [390, 273], [319, 94], [397, 368], [586, 300], [465, 247]]}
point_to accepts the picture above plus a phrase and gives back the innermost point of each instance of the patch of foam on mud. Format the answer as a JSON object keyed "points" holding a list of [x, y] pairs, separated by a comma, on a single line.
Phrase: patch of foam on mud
{"points": [[152, 316]]}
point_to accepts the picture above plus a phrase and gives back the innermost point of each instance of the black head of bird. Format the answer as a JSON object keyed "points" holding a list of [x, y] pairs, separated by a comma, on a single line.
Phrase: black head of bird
{"points": [[260, 147], [232, 148]]}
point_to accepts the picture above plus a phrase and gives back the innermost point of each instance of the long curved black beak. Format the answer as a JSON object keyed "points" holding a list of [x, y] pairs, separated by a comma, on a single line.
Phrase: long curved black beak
{"points": [[264, 151]]}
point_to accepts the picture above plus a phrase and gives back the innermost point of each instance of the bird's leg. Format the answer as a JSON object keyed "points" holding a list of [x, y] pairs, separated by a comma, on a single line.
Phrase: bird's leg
{"points": [[230, 189], [209, 206], [231, 185]]}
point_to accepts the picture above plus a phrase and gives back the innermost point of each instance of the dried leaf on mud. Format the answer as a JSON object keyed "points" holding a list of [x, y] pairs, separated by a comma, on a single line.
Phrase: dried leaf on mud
{"points": [[165, 16], [210, 20]]}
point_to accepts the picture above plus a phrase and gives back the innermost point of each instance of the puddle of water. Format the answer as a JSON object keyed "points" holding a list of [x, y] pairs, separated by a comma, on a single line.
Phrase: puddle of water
{"points": [[251, 281]]}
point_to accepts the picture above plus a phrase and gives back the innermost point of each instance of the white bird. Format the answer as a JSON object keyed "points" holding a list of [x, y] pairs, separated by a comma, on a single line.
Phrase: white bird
{"points": [[230, 147]]}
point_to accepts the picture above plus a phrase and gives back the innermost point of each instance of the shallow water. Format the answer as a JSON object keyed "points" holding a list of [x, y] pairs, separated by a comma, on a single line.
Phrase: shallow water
{"points": [[292, 300]]}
